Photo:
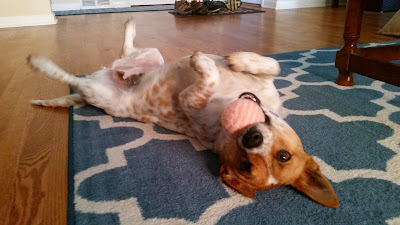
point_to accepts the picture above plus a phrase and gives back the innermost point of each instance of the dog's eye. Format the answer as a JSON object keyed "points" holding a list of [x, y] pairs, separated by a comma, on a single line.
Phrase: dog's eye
{"points": [[245, 166], [283, 156]]}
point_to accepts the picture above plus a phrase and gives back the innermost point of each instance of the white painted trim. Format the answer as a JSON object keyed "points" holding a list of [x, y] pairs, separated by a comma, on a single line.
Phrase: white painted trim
{"points": [[120, 3], [66, 6], [97, 7], [294, 4], [258, 2], [32, 20], [271, 4], [151, 2]]}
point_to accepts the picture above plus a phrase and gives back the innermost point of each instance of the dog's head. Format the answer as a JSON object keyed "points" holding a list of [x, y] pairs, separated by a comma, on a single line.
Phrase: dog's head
{"points": [[270, 154]]}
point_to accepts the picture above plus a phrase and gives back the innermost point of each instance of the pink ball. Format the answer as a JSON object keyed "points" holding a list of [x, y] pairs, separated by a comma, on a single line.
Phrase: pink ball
{"points": [[241, 114]]}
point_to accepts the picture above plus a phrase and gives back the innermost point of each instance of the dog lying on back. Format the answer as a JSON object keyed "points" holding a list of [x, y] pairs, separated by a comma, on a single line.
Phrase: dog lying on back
{"points": [[188, 96]]}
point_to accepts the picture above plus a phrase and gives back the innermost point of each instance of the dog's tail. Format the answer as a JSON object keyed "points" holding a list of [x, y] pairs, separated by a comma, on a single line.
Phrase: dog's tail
{"points": [[65, 101], [50, 69]]}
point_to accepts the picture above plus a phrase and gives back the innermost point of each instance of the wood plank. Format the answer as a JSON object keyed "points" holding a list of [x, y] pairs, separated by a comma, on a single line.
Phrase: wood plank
{"points": [[33, 140], [377, 69], [386, 53]]}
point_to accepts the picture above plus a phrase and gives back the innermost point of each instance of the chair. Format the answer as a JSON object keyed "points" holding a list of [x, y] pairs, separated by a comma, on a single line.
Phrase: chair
{"points": [[373, 62]]}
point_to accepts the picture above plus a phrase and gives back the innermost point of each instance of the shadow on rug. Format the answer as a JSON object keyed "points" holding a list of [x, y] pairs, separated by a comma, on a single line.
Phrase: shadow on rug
{"points": [[241, 10], [126, 172]]}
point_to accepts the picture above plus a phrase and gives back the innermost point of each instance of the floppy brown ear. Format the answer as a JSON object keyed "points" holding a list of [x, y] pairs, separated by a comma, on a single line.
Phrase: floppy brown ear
{"points": [[240, 187], [236, 184], [314, 184]]}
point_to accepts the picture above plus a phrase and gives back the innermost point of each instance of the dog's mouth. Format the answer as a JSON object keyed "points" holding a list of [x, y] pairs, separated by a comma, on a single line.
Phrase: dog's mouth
{"points": [[250, 96]]}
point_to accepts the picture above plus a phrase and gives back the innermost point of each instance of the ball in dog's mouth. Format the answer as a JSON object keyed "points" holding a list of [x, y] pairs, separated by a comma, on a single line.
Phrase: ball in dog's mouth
{"points": [[241, 114]]}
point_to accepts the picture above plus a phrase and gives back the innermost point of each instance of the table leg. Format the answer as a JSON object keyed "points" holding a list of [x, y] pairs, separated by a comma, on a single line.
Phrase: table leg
{"points": [[351, 35]]}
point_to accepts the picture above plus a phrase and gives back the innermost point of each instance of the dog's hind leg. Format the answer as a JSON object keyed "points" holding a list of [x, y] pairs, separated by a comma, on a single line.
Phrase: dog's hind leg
{"points": [[198, 94], [253, 63], [130, 34], [65, 101]]}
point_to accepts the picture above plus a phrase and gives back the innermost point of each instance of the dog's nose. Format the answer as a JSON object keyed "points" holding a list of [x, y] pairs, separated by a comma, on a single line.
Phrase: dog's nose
{"points": [[253, 138]]}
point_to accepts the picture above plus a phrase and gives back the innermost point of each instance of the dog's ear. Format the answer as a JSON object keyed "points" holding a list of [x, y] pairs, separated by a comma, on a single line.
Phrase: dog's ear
{"points": [[314, 184], [240, 186]]}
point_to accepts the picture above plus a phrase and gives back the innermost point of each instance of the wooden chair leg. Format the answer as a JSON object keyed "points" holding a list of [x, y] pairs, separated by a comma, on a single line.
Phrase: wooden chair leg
{"points": [[351, 35], [345, 78]]}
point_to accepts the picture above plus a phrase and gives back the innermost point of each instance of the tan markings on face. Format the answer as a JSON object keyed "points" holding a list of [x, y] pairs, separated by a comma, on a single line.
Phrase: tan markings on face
{"points": [[245, 182], [230, 153], [286, 172], [258, 174], [266, 171]]}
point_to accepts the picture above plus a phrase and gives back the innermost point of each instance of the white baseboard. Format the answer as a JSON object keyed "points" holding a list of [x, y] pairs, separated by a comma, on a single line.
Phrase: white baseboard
{"points": [[32, 20], [257, 2], [294, 4], [120, 3], [66, 6], [151, 2]]}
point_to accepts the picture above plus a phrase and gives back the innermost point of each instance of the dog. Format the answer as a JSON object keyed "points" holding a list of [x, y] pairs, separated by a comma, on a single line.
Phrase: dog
{"points": [[188, 96]]}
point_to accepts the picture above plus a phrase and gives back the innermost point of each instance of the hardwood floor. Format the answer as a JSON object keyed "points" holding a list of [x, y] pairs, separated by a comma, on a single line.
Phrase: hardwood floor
{"points": [[34, 140]]}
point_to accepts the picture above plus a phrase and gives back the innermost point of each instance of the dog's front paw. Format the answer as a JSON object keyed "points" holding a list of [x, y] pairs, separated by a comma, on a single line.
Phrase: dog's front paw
{"points": [[237, 61], [253, 63], [203, 64]]}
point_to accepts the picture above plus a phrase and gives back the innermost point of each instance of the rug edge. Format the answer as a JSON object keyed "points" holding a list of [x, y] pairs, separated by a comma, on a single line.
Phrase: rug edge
{"points": [[71, 189]]}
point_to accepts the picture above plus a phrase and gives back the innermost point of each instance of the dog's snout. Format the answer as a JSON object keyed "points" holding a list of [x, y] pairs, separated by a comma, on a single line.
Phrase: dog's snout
{"points": [[252, 138]]}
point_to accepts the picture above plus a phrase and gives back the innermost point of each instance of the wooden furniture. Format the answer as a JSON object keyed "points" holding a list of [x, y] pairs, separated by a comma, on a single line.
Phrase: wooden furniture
{"points": [[371, 62], [335, 3]]}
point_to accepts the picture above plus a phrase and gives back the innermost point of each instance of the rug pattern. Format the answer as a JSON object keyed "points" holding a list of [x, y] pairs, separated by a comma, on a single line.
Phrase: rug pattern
{"points": [[126, 172]]}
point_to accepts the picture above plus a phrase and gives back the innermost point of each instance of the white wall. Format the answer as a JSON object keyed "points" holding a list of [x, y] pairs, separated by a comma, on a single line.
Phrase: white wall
{"points": [[293, 4], [17, 13]]}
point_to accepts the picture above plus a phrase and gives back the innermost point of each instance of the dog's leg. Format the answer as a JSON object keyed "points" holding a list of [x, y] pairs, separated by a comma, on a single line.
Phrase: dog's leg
{"points": [[253, 63], [197, 95], [130, 34], [65, 101]]}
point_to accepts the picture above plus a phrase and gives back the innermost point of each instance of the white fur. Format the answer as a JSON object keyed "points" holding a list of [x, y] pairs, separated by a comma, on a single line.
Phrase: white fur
{"points": [[271, 180]]}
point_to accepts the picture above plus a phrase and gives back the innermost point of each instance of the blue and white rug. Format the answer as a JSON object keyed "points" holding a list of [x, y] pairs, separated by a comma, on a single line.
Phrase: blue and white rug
{"points": [[126, 172]]}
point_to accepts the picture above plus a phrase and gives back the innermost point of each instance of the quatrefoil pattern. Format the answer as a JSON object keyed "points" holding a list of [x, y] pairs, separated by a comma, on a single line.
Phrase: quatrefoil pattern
{"points": [[126, 172]]}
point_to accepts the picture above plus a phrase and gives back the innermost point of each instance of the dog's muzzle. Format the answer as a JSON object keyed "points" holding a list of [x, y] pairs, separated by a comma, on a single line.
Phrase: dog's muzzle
{"points": [[252, 138]]}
